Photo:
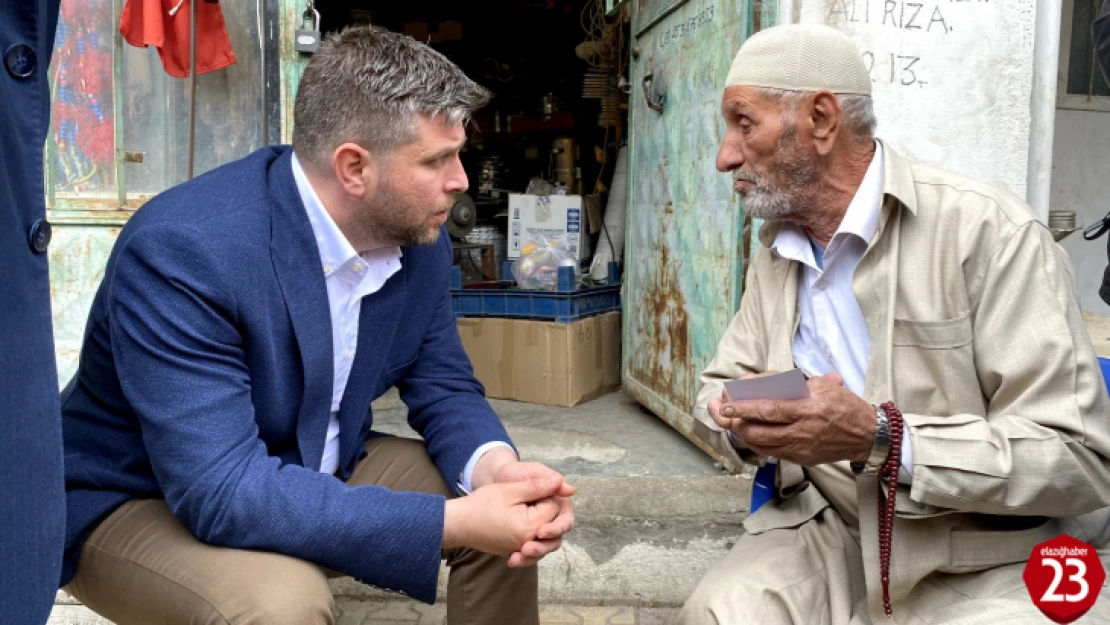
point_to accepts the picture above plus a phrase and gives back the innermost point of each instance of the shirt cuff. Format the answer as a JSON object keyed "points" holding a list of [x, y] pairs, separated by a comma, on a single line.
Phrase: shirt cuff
{"points": [[905, 472], [468, 472]]}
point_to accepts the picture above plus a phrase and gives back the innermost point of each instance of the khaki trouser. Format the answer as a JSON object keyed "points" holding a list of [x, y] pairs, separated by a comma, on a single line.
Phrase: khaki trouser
{"points": [[813, 575], [141, 566]]}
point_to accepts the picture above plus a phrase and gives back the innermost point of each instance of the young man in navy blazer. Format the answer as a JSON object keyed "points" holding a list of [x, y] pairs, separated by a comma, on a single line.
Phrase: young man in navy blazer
{"points": [[220, 464]]}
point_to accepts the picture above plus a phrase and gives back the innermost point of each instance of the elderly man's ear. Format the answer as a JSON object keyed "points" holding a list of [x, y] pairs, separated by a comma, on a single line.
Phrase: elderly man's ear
{"points": [[824, 119]]}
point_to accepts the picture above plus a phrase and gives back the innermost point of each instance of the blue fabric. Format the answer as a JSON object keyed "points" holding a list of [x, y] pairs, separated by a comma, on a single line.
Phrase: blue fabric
{"points": [[763, 487], [818, 254], [32, 512], [206, 378], [1104, 364]]}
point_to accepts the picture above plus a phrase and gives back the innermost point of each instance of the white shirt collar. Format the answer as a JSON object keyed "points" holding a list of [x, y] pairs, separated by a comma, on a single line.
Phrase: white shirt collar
{"points": [[335, 250], [862, 216], [861, 219]]}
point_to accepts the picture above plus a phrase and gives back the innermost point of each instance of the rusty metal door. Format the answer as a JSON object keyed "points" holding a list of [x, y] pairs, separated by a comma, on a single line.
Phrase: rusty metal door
{"points": [[685, 228]]}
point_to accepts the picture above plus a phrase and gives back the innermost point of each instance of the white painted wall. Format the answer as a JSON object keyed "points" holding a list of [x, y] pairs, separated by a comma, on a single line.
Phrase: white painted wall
{"points": [[952, 79], [1081, 182]]}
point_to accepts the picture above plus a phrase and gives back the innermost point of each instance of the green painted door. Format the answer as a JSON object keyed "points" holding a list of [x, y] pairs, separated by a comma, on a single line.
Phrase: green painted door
{"points": [[685, 228]]}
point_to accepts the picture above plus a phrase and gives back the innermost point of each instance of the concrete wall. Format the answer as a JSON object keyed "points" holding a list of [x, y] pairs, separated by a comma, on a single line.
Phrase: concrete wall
{"points": [[951, 81], [1081, 182]]}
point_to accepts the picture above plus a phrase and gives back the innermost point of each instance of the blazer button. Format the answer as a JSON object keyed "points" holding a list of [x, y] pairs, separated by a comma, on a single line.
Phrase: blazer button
{"points": [[20, 60], [39, 236]]}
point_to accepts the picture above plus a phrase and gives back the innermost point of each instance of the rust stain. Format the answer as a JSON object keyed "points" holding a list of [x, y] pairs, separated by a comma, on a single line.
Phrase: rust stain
{"points": [[663, 361]]}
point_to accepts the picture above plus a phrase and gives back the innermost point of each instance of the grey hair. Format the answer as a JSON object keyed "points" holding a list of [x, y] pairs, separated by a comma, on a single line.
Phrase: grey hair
{"points": [[366, 85], [858, 110]]}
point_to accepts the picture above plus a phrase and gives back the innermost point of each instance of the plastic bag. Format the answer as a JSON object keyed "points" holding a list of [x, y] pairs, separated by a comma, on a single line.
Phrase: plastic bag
{"points": [[539, 186], [539, 262]]}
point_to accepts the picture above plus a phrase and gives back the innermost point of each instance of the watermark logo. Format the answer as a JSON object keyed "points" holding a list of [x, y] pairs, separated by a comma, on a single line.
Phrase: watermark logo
{"points": [[1064, 577]]}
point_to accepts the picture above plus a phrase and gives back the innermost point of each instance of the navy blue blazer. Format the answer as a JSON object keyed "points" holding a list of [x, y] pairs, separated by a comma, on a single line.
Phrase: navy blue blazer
{"points": [[32, 511], [206, 378], [1100, 31]]}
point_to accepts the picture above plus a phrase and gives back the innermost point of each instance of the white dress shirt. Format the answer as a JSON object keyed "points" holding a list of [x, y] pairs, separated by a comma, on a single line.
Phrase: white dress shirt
{"points": [[349, 277], [832, 334]]}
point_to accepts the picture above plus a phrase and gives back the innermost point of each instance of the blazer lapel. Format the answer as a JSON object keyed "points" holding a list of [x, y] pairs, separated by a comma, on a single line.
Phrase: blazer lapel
{"points": [[379, 316], [297, 264]]}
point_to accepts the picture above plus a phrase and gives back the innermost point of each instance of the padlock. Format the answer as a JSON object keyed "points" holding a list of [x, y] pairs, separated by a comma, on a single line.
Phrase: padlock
{"points": [[307, 40]]}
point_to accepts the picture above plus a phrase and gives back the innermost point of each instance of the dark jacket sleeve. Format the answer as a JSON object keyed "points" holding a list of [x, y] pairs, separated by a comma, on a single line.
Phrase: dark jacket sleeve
{"points": [[447, 404], [1104, 290], [1101, 32], [32, 503], [181, 365]]}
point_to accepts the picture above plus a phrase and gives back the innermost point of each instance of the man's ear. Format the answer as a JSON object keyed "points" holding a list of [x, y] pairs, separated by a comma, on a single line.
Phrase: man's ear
{"points": [[825, 118], [355, 169]]}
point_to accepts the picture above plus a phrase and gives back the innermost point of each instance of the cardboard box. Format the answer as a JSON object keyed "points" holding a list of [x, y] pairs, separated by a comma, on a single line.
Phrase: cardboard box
{"points": [[551, 216], [542, 362]]}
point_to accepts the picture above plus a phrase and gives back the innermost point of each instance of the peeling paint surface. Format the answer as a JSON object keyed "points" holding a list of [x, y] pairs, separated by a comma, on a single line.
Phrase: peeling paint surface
{"points": [[291, 62], [78, 255], [683, 270], [86, 224]]}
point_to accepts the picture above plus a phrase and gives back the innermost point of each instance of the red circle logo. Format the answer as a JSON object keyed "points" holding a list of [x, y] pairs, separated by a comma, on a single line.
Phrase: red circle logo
{"points": [[1064, 577]]}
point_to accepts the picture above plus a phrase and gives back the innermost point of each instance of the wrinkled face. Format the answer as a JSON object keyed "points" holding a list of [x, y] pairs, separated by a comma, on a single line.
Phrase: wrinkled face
{"points": [[417, 185], [771, 167]]}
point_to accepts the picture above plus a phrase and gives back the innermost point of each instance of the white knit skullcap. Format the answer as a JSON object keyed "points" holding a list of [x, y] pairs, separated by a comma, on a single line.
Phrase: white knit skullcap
{"points": [[801, 57]]}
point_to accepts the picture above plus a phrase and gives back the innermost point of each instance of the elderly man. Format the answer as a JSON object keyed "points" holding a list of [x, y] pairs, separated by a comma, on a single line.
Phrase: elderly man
{"points": [[949, 367]]}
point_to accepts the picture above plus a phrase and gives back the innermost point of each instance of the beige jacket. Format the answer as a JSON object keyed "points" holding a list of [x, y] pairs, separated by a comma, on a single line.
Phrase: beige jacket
{"points": [[977, 337]]}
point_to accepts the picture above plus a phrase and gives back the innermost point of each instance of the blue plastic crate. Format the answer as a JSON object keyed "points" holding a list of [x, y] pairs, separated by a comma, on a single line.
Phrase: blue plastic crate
{"points": [[566, 305]]}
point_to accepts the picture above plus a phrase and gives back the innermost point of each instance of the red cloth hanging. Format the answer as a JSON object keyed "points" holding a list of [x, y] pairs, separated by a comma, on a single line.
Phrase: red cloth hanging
{"points": [[149, 23]]}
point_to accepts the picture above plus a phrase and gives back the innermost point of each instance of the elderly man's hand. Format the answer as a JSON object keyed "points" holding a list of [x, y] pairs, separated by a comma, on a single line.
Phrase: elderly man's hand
{"points": [[715, 405], [833, 424]]}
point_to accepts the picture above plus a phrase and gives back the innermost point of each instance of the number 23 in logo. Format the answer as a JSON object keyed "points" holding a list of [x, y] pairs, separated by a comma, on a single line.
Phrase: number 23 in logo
{"points": [[1064, 576]]}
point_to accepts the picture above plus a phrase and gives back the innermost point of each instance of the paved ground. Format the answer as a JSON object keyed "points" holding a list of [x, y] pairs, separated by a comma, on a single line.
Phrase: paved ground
{"points": [[1099, 329], [610, 436], [370, 613], [391, 612]]}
